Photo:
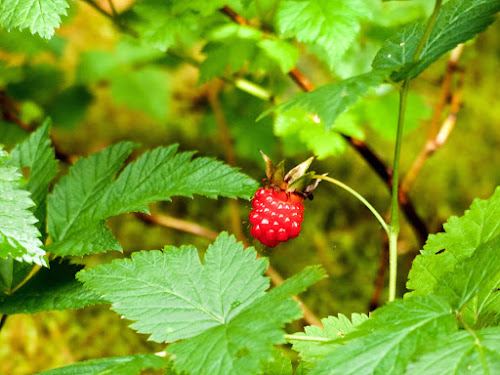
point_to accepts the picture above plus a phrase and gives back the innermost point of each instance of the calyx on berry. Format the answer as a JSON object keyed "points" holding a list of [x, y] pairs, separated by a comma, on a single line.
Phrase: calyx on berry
{"points": [[278, 207]]}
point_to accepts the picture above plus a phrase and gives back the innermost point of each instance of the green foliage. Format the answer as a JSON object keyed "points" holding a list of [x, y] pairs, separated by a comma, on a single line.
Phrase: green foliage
{"points": [[333, 328], [461, 353], [220, 299], [331, 25], [457, 22], [127, 365], [40, 16], [19, 236], [50, 289], [384, 343], [280, 365], [330, 101], [69, 107], [460, 240]]}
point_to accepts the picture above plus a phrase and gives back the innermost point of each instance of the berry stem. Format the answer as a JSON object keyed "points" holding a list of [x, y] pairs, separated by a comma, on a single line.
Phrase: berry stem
{"points": [[359, 197]]}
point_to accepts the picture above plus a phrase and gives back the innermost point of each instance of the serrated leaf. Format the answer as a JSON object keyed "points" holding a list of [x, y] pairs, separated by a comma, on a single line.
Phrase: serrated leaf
{"points": [[237, 347], [19, 236], [161, 174], [172, 296], [461, 353], [127, 365], [37, 153], [330, 101], [40, 16], [145, 90], [333, 328], [50, 289], [332, 25], [461, 238], [457, 22], [385, 343], [75, 197]]}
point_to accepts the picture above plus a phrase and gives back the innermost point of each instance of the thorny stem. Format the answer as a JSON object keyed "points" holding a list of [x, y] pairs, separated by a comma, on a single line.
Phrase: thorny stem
{"points": [[403, 95], [359, 197]]}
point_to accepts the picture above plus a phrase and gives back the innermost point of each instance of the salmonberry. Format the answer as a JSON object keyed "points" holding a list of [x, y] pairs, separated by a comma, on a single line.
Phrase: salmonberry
{"points": [[276, 216], [278, 208]]}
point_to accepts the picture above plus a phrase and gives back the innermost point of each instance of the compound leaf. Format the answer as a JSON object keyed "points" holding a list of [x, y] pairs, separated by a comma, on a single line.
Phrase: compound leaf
{"points": [[461, 353], [127, 365], [40, 16], [385, 343], [50, 289], [331, 25], [457, 22], [19, 236]]}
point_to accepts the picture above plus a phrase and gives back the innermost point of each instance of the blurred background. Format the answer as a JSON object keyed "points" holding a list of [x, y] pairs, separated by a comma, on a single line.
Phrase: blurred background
{"points": [[101, 86]]}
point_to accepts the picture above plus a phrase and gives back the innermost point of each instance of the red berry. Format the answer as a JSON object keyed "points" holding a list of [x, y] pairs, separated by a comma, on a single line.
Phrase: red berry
{"points": [[276, 216]]}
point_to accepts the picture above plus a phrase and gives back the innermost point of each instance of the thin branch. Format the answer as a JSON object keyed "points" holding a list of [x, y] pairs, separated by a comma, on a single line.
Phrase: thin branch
{"points": [[435, 138], [3, 320], [377, 164], [113, 8]]}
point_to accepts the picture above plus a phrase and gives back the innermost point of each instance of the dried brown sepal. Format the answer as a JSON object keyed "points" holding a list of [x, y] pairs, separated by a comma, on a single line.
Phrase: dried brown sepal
{"points": [[299, 170]]}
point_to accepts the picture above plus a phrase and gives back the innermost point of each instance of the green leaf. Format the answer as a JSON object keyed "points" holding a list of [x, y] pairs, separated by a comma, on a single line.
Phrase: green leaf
{"points": [[283, 53], [322, 142], [19, 236], [37, 153], [50, 289], [40, 16], [385, 343], [145, 90], [461, 353], [77, 195], [239, 347], [330, 101], [280, 365], [457, 22], [331, 25], [11, 134], [333, 328], [171, 296], [160, 174], [69, 107], [462, 236], [127, 365], [30, 44]]}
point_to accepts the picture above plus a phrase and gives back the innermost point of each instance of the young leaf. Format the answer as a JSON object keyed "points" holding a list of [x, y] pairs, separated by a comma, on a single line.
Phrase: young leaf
{"points": [[37, 154], [219, 307], [385, 343], [40, 16], [333, 328], [461, 353], [127, 365], [332, 25], [457, 22], [19, 236], [443, 251], [329, 101], [50, 289]]}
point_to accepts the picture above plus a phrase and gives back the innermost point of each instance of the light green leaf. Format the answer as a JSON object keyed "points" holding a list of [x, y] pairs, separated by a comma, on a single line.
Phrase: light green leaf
{"points": [[37, 153], [238, 347], [333, 328], [40, 16], [172, 296], [331, 25], [145, 90], [461, 353], [285, 54], [457, 22], [330, 101], [19, 236], [280, 365], [127, 365], [77, 195], [462, 236], [385, 343], [50, 289]]}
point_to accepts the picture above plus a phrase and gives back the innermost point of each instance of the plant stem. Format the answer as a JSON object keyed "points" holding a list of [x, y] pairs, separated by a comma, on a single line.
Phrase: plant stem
{"points": [[403, 95], [307, 338], [359, 197]]}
